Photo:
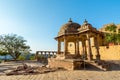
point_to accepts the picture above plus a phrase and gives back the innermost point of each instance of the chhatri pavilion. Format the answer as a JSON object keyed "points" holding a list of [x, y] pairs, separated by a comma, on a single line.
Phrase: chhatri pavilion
{"points": [[77, 40], [74, 47]]}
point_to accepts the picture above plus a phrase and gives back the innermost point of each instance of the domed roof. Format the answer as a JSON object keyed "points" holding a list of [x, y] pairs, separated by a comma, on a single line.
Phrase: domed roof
{"points": [[86, 24], [69, 28]]}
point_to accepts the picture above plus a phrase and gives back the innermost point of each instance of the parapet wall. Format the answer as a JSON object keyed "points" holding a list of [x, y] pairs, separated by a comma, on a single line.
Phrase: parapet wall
{"points": [[108, 53], [58, 63]]}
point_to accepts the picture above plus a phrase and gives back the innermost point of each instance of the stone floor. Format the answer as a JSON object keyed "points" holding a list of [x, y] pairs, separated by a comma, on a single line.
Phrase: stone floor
{"points": [[68, 75], [59, 75]]}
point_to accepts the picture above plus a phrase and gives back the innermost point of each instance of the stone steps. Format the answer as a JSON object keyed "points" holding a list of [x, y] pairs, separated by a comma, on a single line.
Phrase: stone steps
{"points": [[102, 65], [98, 66]]}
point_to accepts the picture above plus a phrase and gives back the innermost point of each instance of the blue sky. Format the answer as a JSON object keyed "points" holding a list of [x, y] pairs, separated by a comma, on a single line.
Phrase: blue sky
{"points": [[39, 21]]}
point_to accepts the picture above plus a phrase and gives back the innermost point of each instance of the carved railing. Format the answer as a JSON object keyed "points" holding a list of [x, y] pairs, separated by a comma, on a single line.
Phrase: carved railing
{"points": [[42, 56], [46, 53]]}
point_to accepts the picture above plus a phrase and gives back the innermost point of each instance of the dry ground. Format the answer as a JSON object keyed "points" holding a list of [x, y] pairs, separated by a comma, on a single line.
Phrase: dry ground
{"points": [[59, 75]]}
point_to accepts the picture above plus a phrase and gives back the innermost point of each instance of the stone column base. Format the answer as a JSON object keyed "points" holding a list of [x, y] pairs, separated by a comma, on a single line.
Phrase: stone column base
{"points": [[98, 57]]}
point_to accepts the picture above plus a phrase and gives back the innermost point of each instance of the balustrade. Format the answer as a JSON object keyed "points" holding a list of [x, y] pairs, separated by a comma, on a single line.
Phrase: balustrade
{"points": [[46, 53]]}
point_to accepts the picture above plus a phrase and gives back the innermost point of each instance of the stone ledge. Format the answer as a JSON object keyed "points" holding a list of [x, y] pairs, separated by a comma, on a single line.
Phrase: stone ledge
{"points": [[69, 64]]}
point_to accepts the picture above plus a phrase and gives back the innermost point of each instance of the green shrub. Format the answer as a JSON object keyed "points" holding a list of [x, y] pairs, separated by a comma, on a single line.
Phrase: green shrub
{"points": [[32, 57], [21, 57], [0, 60]]}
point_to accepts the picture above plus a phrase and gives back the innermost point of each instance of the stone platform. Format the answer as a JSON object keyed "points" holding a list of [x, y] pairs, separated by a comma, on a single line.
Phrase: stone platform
{"points": [[68, 64]]}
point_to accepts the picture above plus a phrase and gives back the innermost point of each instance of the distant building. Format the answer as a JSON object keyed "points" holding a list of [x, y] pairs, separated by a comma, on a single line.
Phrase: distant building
{"points": [[104, 26]]}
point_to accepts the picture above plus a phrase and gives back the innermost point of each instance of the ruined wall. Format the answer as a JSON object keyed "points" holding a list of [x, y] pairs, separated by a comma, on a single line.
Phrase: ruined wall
{"points": [[52, 62], [108, 53]]}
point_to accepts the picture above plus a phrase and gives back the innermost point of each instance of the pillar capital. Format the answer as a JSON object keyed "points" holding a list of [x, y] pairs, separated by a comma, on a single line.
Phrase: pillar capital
{"points": [[77, 39], [88, 36], [65, 37]]}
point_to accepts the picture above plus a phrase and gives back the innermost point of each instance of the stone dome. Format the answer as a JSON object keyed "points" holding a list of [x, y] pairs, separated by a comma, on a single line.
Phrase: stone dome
{"points": [[86, 26], [69, 28]]}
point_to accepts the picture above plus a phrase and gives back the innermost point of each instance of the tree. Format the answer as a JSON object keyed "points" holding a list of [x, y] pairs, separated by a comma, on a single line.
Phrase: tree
{"points": [[112, 36], [3, 54], [14, 45], [111, 28], [118, 38]]}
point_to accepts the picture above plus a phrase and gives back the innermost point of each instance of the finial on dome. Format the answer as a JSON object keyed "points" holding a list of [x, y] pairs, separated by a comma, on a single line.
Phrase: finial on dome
{"points": [[70, 20], [85, 22]]}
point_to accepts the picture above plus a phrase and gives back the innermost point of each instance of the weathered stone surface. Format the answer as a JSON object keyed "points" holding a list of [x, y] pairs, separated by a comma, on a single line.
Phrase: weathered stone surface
{"points": [[25, 69], [68, 75], [110, 53], [68, 64]]}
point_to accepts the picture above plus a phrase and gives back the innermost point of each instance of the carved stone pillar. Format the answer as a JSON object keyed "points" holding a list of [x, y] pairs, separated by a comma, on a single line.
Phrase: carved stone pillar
{"points": [[36, 56], [90, 56], [65, 45], [49, 54], [97, 47], [77, 48], [59, 46], [84, 49]]}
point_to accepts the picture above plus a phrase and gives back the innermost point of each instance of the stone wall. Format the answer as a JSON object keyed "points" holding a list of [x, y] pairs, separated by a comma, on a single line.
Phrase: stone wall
{"points": [[108, 53], [68, 64], [52, 62]]}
